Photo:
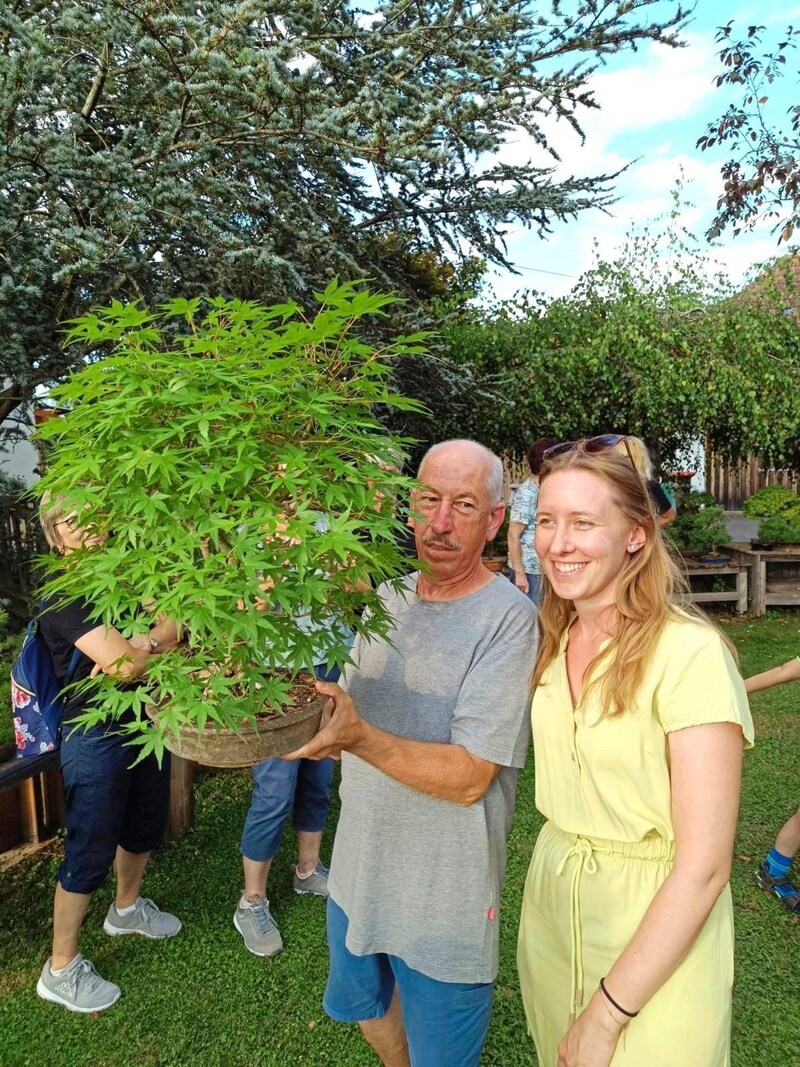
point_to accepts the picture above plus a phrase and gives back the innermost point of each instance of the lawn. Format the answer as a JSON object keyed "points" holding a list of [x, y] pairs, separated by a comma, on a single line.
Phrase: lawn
{"points": [[201, 999]]}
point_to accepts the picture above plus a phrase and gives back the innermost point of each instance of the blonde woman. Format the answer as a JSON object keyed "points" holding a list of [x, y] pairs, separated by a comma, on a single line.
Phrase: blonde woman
{"points": [[639, 719], [114, 812]]}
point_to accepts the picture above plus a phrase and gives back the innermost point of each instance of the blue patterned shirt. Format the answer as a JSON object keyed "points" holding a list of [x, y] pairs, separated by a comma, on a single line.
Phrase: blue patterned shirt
{"points": [[523, 510]]}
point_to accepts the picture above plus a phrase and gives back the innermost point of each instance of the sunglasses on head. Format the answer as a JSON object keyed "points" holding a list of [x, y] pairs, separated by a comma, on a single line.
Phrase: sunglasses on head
{"points": [[593, 446]]}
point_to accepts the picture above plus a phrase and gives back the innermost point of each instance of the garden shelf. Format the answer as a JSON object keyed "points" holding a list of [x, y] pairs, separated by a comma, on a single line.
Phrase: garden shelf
{"points": [[776, 575]]}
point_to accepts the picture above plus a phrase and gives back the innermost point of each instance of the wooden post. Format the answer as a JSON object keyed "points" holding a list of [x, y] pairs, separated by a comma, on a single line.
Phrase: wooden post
{"points": [[759, 585], [741, 589], [181, 797], [30, 808]]}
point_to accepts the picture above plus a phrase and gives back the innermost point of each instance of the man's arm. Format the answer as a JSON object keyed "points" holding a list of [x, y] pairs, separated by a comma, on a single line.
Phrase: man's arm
{"points": [[448, 772]]}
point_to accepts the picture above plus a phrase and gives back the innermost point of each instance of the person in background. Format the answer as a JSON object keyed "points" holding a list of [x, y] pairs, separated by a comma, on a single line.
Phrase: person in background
{"points": [[114, 812], [773, 874], [639, 719], [432, 732], [640, 457], [280, 789], [523, 562]]}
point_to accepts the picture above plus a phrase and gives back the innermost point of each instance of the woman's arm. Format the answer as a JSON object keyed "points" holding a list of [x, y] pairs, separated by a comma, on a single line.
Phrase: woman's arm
{"points": [[113, 654], [515, 530], [705, 775], [666, 517], [787, 672]]}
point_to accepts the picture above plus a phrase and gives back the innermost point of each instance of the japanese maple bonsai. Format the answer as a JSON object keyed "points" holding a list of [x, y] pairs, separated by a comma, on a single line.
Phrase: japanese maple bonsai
{"points": [[206, 438]]}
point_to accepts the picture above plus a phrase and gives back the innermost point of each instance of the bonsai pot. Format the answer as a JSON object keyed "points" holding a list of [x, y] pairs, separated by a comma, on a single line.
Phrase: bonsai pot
{"points": [[496, 564], [266, 738], [714, 559], [762, 546]]}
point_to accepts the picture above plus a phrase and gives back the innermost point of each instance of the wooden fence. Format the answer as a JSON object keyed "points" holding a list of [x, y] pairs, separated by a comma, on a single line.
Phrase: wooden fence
{"points": [[21, 541], [732, 484]]}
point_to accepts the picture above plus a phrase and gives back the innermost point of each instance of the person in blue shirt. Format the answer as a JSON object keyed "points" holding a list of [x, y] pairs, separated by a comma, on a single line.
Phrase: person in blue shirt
{"points": [[523, 563]]}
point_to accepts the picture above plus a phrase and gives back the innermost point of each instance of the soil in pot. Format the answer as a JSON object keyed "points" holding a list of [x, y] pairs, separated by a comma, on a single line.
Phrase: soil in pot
{"points": [[270, 736]]}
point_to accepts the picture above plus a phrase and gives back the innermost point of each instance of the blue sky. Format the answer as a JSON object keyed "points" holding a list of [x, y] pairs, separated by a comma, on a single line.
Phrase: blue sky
{"points": [[655, 103]]}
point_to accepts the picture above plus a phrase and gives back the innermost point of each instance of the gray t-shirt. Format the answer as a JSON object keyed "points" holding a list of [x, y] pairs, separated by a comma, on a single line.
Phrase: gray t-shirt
{"points": [[418, 877]]}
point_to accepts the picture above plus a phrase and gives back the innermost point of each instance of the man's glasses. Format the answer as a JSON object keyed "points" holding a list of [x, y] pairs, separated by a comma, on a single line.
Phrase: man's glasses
{"points": [[593, 446]]}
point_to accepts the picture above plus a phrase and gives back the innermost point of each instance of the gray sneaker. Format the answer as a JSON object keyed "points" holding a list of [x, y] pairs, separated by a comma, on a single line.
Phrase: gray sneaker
{"points": [[147, 920], [259, 930], [316, 882], [78, 988]]}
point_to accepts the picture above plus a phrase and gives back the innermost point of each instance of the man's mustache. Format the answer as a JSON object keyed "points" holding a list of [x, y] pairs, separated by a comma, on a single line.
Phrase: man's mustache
{"points": [[446, 542]]}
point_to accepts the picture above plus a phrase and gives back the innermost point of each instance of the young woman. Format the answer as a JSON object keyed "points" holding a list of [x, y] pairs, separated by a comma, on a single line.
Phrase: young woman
{"points": [[639, 717], [114, 813]]}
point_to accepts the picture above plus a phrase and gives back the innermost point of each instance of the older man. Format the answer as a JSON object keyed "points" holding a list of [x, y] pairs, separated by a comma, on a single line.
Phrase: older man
{"points": [[432, 732]]}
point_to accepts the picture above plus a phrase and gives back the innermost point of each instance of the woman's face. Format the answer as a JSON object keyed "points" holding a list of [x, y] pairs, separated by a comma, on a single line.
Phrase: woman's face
{"points": [[71, 535], [583, 540]]}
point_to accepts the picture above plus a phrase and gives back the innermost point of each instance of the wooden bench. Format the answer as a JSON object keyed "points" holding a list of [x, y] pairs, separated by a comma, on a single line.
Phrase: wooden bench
{"points": [[32, 799], [710, 570]]}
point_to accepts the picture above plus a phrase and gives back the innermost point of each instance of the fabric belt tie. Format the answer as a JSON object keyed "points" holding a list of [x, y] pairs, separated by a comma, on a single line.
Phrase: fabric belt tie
{"points": [[585, 861]]}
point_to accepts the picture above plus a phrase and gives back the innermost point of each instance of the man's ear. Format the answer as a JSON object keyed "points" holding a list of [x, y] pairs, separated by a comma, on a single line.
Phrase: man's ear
{"points": [[496, 516]]}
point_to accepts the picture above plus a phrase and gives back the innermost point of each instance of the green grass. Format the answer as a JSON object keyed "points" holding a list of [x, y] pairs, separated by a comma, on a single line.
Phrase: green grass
{"points": [[202, 1000]]}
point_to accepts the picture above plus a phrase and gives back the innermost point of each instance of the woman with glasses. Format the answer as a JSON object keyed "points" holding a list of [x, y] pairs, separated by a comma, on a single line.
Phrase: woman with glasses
{"points": [[639, 720], [114, 812]]}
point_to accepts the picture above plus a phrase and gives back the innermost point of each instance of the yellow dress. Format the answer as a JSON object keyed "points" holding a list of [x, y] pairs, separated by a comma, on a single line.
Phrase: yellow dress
{"points": [[604, 786]]}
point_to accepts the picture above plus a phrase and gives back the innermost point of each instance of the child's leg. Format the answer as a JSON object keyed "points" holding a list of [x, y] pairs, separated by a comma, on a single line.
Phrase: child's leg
{"points": [[787, 843]]}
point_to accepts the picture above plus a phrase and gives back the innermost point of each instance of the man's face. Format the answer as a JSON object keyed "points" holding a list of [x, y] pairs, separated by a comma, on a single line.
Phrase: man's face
{"points": [[454, 515]]}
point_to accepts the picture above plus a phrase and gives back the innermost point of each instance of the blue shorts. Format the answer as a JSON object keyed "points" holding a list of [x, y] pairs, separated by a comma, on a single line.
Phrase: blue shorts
{"points": [[445, 1022], [107, 803]]}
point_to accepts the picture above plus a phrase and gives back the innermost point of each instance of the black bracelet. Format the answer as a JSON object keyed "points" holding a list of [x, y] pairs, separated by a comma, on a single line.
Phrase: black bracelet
{"points": [[610, 999]]}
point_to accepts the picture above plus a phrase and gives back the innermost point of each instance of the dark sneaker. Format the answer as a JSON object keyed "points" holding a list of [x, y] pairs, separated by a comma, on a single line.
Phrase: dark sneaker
{"points": [[78, 988], [316, 882], [781, 887], [258, 929], [147, 920]]}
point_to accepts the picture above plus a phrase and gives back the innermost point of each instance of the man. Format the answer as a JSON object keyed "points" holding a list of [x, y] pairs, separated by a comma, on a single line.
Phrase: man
{"points": [[432, 732]]}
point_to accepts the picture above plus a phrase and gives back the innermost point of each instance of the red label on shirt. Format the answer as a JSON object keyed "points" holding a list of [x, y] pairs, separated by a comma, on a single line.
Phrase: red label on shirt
{"points": [[490, 914]]}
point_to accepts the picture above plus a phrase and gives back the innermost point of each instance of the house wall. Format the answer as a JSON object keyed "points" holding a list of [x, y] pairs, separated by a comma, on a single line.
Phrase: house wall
{"points": [[19, 457]]}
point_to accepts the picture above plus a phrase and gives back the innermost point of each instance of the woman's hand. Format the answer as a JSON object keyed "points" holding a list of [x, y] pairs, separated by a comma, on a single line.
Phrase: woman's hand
{"points": [[521, 581], [592, 1039]]}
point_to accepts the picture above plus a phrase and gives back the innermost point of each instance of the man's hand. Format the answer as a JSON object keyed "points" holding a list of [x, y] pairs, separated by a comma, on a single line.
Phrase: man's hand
{"points": [[342, 727]]}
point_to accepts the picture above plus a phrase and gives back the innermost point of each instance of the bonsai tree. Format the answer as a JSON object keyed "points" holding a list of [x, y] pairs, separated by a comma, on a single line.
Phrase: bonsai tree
{"points": [[206, 441], [782, 528], [701, 524]]}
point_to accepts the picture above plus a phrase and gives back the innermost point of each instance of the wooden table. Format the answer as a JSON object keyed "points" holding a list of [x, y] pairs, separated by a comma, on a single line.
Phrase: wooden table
{"points": [[778, 592], [711, 570]]}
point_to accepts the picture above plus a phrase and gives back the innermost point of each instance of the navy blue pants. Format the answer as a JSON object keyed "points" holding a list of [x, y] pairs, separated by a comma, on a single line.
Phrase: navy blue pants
{"points": [[108, 803]]}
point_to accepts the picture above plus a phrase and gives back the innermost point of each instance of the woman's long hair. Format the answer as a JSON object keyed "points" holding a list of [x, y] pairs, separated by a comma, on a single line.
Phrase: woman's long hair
{"points": [[650, 583]]}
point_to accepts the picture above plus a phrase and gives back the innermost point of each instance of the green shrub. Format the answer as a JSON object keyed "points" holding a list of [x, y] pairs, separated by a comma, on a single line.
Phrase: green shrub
{"points": [[771, 500], [782, 528]]}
